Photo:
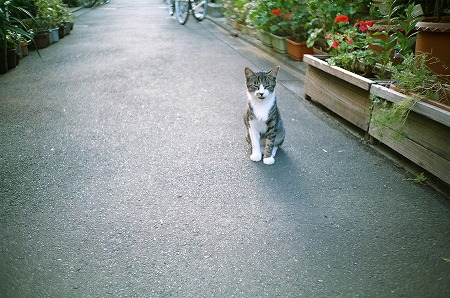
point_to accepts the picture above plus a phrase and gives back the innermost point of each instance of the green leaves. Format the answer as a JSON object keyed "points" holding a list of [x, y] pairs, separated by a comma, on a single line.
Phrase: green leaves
{"points": [[7, 21]]}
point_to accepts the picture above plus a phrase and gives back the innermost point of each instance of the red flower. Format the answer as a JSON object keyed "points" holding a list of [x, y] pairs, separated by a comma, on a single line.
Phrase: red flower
{"points": [[335, 44], [287, 16], [276, 12], [364, 25], [341, 18], [327, 36], [350, 41]]}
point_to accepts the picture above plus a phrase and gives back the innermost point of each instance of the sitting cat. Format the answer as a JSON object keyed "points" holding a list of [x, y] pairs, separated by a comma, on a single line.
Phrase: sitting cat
{"points": [[262, 118]]}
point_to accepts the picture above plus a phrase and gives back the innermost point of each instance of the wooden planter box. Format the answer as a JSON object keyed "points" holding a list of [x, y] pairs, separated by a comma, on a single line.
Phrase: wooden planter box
{"points": [[426, 139], [343, 92]]}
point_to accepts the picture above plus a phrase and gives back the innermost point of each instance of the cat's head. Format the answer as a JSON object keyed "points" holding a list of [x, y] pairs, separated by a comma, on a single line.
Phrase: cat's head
{"points": [[261, 84]]}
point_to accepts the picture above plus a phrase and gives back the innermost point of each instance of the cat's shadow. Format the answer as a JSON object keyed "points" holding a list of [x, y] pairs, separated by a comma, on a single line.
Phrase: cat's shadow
{"points": [[285, 177], [284, 163]]}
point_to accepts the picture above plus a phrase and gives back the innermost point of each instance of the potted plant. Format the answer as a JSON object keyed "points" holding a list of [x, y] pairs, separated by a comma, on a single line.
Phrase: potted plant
{"points": [[353, 67], [61, 17], [279, 29], [228, 10], [323, 13], [42, 37], [248, 26], [236, 13], [296, 41], [24, 43], [394, 35], [262, 17], [10, 23], [43, 23], [337, 81], [13, 41]]}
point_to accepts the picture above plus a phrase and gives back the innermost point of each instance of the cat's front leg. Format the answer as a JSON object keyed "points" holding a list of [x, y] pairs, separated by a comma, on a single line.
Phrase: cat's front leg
{"points": [[268, 152], [256, 150]]}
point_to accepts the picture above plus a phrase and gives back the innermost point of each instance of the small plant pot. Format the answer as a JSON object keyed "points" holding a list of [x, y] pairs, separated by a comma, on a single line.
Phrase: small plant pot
{"points": [[24, 47], [54, 35], [265, 38], [67, 28], [296, 50], [278, 43], [41, 40], [235, 25], [61, 31], [249, 30], [12, 58]]}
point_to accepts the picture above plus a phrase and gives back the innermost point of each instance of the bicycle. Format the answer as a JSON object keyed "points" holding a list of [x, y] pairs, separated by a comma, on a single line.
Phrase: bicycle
{"points": [[196, 7], [90, 3]]}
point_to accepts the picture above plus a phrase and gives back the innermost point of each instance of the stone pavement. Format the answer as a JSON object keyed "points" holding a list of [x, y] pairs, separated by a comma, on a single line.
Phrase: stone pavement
{"points": [[125, 172]]}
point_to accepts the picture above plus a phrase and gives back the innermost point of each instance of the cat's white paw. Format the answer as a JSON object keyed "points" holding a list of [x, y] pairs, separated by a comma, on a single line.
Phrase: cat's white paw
{"points": [[269, 160], [255, 156]]}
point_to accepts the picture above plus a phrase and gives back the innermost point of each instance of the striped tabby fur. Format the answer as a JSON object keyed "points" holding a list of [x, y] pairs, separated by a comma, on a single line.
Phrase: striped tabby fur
{"points": [[265, 130]]}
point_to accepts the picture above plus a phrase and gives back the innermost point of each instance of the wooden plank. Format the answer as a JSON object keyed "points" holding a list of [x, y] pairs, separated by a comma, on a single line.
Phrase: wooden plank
{"points": [[423, 108], [345, 75], [425, 143], [345, 99], [429, 134]]}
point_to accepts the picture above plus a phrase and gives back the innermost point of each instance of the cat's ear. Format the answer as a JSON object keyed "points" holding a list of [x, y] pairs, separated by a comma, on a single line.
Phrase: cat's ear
{"points": [[274, 72], [248, 72]]}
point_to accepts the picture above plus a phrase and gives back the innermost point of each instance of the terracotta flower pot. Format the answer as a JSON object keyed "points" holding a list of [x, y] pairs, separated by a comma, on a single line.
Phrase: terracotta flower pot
{"points": [[433, 39], [296, 50]]}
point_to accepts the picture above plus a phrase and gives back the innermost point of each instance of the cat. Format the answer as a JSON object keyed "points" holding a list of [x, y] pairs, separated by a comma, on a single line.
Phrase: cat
{"points": [[265, 129]]}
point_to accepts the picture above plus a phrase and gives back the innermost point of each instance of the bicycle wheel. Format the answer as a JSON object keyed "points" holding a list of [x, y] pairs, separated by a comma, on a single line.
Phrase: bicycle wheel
{"points": [[89, 3], [199, 9], [182, 10]]}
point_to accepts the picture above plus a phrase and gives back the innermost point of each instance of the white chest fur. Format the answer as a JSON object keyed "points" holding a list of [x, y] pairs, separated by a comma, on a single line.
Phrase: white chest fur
{"points": [[261, 108], [258, 126]]}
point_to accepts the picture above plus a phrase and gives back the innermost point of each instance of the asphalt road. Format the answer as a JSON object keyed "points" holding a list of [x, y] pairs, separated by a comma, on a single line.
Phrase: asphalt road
{"points": [[125, 173]]}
